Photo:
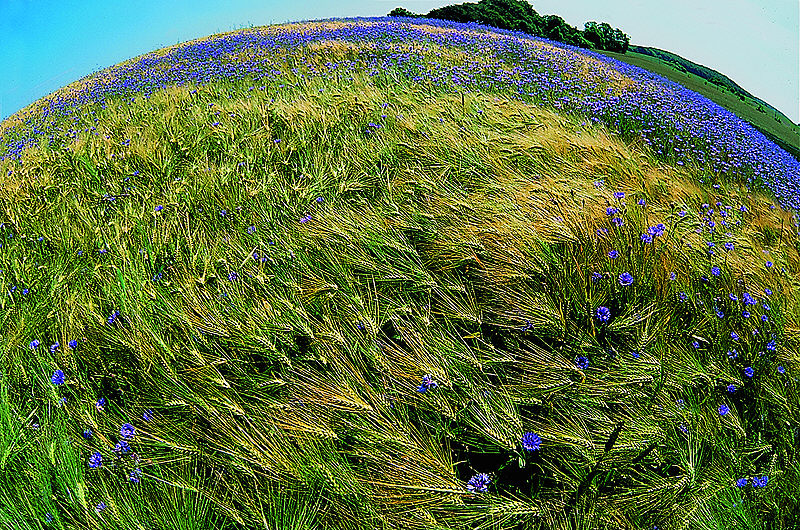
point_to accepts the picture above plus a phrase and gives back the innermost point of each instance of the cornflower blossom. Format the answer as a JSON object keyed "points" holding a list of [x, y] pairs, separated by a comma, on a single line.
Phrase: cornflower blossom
{"points": [[582, 362], [603, 314], [96, 460], [749, 372], [723, 410], [127, 431], [57, 378], [479, 483], [625, 279], [427, 383], [531, 441]]}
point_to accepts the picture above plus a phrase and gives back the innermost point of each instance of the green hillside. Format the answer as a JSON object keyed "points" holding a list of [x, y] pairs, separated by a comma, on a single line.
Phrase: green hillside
{"points": [[380, 274], [719, 89]]}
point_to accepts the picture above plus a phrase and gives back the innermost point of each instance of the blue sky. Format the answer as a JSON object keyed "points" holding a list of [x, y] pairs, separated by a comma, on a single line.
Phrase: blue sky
{"points": [[47, 44]]}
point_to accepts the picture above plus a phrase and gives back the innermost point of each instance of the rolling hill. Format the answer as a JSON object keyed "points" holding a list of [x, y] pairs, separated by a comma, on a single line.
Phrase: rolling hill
{"points": [[395, 273]]}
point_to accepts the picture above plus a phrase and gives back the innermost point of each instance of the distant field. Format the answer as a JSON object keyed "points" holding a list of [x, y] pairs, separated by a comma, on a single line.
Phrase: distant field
{"points": [[773, 124]]}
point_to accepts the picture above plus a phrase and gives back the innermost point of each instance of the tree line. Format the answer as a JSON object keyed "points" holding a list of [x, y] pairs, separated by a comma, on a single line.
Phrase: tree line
{"points": [[519, 15]]}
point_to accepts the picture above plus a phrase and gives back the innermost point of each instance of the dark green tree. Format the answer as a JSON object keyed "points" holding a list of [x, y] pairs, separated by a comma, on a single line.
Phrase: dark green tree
{"points": [[519, 15], [402, 12]]}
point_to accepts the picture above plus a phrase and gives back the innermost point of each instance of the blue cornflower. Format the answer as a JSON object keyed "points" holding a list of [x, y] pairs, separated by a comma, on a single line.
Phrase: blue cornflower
{"points": [[741, 483], [646, 238], [745, 314], [749, 371], [715, 270], [734, 335], [781, 370], [732, 354], [57, 378], [764, 318], [101, 403], [159, 208], [723, 410], [695, 344], [613, 254], [683, 296], [748, 299], [733, 297], [96, 460], [113, 317], [596, 276], [34, 344], [427, 383], [147, 415], [731, 388], [251, 229], [657, 230], [582, 362], [73, 344], [479, 483], [603, 314], [87, 434], [618, 222], [127, 431], [531, 441], [135, 475], [122, 447], [54, 347], [641, 202], [100, 507], [771, 345], [619, 195], [719, 313], [760, 482], [672, 276], [768, 264], [768, 291], [625, 279], [728, 246], [611, 211]]}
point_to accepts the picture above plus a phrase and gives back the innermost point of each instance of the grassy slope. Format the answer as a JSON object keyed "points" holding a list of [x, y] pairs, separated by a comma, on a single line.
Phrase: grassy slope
{"points": [[769, 121], [453, 240]]}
